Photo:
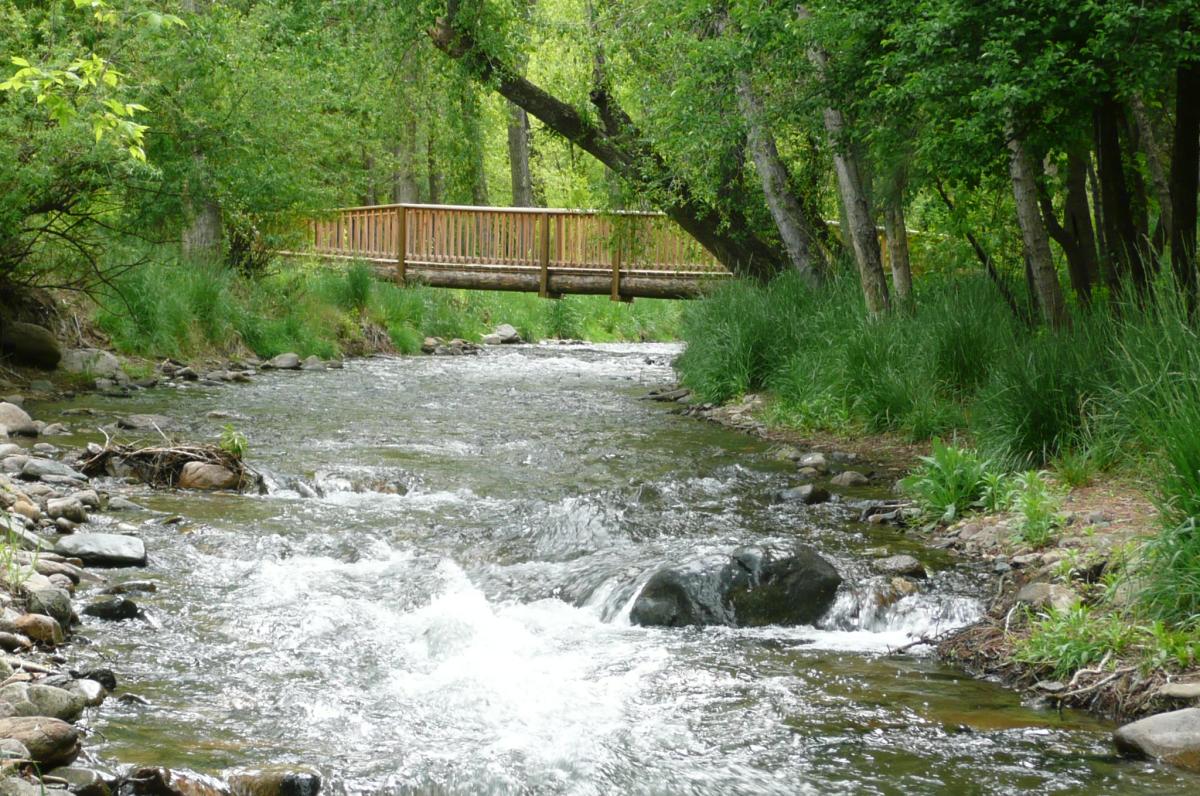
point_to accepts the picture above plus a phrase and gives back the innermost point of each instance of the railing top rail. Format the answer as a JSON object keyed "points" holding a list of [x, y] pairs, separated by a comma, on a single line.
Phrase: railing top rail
{"points": [[559, 211]]}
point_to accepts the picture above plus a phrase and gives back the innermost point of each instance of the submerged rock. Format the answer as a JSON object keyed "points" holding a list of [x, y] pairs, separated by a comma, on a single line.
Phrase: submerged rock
{"points": [[809, 494], [82, 781], [904, 565], [850, 478], [751, 587], [168, 782], [274, 781], [112, 608], [1171, 737]]}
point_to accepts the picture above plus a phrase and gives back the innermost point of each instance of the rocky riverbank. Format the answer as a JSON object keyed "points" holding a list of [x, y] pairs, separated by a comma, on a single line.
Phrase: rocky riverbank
{"points": [[73, 555], [1102, 527]]}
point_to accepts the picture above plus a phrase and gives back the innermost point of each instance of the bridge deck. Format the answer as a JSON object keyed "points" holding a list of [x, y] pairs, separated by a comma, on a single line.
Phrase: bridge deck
{"points": [[550, 252]]}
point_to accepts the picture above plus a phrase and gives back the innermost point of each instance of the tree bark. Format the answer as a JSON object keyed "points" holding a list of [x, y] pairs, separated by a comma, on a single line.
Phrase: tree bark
{"points": [[518, 157], [856, 202], [1154, 162], [1074, 236], [1185, 180], [1120, 231], [203, 237], [896, 230], [617, 143], [1038, 259], [795, 228]]}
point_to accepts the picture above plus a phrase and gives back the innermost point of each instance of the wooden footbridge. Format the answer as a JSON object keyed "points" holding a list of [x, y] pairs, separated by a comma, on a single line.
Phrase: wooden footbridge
{"points": [[550, 252]]}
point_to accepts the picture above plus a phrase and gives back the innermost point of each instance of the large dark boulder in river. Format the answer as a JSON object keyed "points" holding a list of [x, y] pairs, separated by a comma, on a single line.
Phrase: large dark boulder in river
{"points": [[30, 344], [748, 588]]}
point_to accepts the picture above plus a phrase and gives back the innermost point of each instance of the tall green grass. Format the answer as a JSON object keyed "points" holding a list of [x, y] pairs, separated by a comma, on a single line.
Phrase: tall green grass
{"points": [[1117, 388], [171, 307]]}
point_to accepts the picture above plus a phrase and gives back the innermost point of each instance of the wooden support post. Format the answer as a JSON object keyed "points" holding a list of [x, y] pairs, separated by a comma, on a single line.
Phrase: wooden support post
{"points": [[401, 245], [544, 256], [616, 271]]}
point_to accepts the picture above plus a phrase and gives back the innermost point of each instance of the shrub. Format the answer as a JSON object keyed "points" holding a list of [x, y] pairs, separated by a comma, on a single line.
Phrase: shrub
{"points": [[1037, 506], [948, 481]]}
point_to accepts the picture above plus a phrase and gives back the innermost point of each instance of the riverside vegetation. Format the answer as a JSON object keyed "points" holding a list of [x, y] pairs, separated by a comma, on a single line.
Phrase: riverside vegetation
{"points": [[1018, 416]]}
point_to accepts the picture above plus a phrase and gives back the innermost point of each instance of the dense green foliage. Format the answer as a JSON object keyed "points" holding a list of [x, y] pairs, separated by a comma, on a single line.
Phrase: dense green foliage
{"points": [[176, 308]]}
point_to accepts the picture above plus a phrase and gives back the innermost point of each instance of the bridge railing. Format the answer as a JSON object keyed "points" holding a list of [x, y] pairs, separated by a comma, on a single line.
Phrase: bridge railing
{"points": [[506, 247]]}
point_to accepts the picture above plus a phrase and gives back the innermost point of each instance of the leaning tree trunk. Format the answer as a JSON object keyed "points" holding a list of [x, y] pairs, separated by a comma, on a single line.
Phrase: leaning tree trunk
{"points": [[1185, 168], [795, 228], [1074, 235], [613, 138], [1033, 234]]}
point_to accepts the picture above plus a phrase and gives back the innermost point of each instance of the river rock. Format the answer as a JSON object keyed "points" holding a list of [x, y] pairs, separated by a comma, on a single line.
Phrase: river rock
{"points": [[55, 603], [118, 503], [274, 781], [751, 587], [145, 423], [93, 361], [91, 692], [490, 339], [31, 345], [1041, 596], [904, 565], [13, 750], [809, 494], [849, 478], [23, 699], [51, 742], [507, 334], [69, 508], [112, 608], [312, 363], [816, 461], [168, 782], [202, 475], [1171, 737], [16, 421], [40, 627], [1182, 691], [14, 642], [103, 549], [82, 781], [46, 469], [288, 361], [16, 786], [27, 509], [132, 587]]}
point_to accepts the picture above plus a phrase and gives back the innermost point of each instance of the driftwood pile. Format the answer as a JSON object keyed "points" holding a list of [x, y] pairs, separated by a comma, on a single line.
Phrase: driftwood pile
{"points": [[161, 465]]}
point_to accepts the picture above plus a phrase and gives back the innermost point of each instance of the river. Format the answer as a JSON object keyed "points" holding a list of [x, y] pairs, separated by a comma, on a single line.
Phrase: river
{"points": [[451, 615]]}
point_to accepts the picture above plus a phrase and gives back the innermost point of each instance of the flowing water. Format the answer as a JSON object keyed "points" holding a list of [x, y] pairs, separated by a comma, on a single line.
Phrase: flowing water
{"points": [[449, 614]]}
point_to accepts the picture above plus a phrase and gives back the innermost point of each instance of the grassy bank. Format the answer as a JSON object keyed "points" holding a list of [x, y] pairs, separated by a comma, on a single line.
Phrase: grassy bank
{"points": [[174, 308], [1032, 413]]}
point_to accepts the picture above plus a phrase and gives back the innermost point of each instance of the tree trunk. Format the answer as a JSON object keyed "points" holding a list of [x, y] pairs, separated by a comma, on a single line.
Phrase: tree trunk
{"points": [[1185, 179], [436, 181], [796, 230], [896, 231], [1038, 259], [203, 237], [518, 156], [856, 203], [1154, 162], [857, 207], [405, 189], [615, 141], [1120, 231], [1074, 236]]}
